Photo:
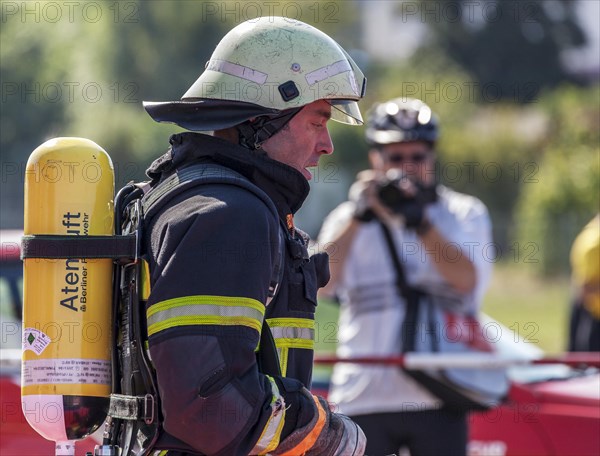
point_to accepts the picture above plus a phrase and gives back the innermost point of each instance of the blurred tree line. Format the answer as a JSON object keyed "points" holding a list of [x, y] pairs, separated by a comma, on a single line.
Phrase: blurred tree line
{"points": [[518, 131]]}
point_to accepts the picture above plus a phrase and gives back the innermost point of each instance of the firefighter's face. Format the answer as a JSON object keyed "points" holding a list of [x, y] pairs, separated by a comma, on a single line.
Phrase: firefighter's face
{"points": [[304, 139]]}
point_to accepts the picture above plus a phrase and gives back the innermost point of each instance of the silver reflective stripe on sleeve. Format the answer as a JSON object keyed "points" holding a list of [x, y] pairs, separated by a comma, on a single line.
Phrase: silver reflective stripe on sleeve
{"points": [[291, 333], [205, 310]]}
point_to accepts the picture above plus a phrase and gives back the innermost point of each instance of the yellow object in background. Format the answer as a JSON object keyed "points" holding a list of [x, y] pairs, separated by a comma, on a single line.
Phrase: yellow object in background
{"points": [[585, 264]]}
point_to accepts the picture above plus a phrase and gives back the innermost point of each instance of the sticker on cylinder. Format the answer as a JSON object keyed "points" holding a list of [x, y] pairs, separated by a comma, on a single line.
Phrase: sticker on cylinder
{"points": [[35, 340], [55, 371]]}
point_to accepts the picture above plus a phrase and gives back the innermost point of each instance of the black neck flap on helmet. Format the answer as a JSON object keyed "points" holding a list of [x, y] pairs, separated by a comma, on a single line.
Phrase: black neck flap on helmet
{"points": [[255, 124], [206, 114]]}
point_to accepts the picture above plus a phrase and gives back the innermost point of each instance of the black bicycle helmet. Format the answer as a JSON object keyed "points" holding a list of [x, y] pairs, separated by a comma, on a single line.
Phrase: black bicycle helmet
{"points": [[401, 120]]}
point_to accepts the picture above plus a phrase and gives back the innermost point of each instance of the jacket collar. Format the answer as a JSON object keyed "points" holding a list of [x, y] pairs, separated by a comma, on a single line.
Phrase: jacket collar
{"points": [[287, 187]]}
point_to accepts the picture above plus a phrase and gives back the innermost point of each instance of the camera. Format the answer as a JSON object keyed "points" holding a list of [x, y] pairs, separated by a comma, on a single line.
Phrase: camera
{"points": [[391, 194], [409, 205]]}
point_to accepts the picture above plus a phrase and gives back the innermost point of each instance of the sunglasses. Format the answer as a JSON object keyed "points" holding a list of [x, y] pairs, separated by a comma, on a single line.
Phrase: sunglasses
{"points": [[397, 159]]}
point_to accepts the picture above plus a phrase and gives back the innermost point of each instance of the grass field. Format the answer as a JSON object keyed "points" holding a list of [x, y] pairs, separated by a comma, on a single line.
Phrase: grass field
{"points": [[536, 308]]}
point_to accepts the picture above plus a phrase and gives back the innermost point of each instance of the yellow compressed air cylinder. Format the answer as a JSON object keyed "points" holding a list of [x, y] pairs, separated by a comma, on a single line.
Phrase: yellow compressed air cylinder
{"points": [[66, 368]]}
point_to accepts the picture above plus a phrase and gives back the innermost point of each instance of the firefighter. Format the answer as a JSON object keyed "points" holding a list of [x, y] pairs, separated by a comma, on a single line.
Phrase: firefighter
{"points": [[225, 256]]}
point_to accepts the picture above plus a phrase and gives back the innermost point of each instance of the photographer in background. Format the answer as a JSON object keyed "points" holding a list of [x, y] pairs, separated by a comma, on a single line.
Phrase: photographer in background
{"points": [[439, 236]]}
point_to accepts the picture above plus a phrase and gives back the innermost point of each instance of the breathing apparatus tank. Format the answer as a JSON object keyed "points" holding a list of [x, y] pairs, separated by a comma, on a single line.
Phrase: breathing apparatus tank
{"points": [[66, 360]]}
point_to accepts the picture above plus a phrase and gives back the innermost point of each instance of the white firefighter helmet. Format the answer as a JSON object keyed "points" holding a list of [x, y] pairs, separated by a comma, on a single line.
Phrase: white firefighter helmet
{"points": [[262, 67]]}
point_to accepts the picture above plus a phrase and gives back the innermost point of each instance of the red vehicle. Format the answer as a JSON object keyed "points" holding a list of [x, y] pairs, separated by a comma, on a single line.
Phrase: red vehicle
{"points": [[17, 438], [551, 409]]}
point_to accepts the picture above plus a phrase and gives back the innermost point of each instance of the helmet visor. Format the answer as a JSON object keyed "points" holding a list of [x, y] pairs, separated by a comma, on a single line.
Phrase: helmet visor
{"points": [[346, 111]]}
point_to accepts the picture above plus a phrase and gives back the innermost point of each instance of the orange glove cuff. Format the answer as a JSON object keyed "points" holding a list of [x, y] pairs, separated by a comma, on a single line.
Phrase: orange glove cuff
{"points": [[310, 439]]}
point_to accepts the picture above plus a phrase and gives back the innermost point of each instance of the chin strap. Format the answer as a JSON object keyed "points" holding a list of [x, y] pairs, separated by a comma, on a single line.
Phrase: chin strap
{"points": [[253, 133]]}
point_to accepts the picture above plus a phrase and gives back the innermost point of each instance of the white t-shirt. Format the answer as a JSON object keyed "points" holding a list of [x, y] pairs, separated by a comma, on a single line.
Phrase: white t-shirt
{"points": [[372, 311]]}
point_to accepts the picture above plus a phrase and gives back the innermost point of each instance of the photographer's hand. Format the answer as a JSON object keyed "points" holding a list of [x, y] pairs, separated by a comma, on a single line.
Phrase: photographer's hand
{"points": [[413, 209], [364, 194], [456, 268]]}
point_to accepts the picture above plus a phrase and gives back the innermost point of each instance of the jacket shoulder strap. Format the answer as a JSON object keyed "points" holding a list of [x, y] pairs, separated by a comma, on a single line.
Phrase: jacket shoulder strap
{"points": [[198, 174]]}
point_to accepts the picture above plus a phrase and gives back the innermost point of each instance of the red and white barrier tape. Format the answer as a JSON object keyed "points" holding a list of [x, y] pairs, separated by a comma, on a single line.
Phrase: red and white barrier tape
{"points": [[463, 360]]}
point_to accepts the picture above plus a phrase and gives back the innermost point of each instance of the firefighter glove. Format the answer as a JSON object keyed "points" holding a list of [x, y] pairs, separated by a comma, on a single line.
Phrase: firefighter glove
{"points": [[327, 434]]}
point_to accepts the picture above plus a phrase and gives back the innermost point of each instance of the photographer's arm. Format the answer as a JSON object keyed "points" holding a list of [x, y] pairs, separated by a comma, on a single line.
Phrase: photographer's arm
{"points": [[450, 261], [339, 230], [338, 249]]}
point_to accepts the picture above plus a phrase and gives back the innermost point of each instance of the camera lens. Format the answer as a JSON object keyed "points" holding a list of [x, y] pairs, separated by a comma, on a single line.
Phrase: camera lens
{"points": [[391, 195]]}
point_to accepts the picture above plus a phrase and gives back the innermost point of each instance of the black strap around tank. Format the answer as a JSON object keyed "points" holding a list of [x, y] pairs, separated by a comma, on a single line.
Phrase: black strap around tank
{"points": [[56, 246]]}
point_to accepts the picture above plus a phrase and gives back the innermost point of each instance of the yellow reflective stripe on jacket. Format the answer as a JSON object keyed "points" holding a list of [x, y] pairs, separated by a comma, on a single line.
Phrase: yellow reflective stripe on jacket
{"points": [[144, 290], [205, 310], [283, 354], [291, 333], [271, 434]]}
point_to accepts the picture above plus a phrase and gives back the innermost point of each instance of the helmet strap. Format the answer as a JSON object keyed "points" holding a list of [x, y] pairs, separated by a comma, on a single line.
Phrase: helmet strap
{"points": [[253, 133]]}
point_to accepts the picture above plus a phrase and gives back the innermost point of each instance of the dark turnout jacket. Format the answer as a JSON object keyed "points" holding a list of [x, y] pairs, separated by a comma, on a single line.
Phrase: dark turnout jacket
{"points": [[212, 250]]}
